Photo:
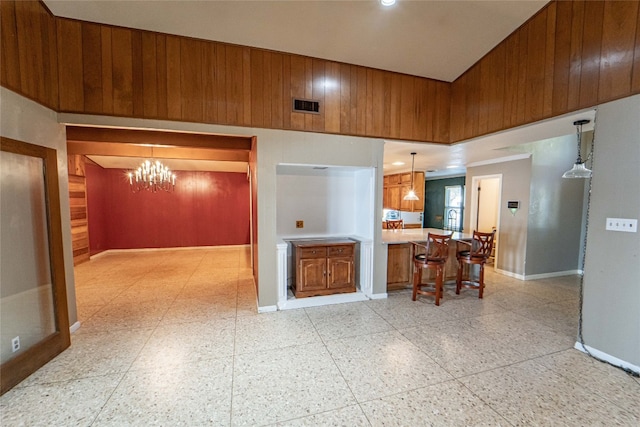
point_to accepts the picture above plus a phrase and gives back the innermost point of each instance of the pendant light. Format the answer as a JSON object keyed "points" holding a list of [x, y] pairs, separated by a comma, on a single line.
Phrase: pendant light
{"points": [[579, 170], [412, 194]]}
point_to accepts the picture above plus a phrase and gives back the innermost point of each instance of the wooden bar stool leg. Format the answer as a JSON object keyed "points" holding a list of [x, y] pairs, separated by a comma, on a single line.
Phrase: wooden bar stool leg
{"points": [[481, 281], [438, 284], [459, 278], [417, 278]]}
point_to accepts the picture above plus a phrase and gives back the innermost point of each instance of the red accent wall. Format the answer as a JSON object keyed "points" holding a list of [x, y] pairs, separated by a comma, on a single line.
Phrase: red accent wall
{"points": [[206, 209]]}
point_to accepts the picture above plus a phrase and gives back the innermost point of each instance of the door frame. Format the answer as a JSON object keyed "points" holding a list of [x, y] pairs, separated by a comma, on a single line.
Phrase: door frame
{"points": [[473, 212], [18, 368]]}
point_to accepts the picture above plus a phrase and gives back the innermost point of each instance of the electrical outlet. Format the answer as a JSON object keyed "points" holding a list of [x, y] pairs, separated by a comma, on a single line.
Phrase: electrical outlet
{"points": [[299, 224], [622, 224], [15, 344]]}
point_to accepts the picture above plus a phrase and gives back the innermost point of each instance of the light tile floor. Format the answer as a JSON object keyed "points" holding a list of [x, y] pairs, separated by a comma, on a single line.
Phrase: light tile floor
{"points": [[173, 338]]}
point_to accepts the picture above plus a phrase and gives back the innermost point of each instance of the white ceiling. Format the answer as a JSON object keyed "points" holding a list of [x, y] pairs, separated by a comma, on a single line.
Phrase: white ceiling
{"points": [[436, 39]]}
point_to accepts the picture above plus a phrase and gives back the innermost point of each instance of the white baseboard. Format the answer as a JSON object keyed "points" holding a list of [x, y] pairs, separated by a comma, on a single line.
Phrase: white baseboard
{"points": [[294, 303], [268, 309], [538, 276], [554, 274], [607, 357], [509, 274], [74, 327], [177, 248], [383, 295]]}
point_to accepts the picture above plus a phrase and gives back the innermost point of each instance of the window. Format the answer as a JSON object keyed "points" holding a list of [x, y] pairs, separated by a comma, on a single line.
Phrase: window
{"points": [[453, 207]]}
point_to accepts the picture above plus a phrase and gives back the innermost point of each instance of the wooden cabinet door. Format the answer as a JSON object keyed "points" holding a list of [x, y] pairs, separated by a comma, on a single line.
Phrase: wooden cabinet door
{"points": [[312, 274], [394, 197], [418, 187], [405, 205], [386, 202], [340, 273], [399, 263]]}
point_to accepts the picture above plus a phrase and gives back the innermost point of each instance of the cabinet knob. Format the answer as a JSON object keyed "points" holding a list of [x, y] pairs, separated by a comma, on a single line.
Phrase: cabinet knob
{"points": [[313, 252]]}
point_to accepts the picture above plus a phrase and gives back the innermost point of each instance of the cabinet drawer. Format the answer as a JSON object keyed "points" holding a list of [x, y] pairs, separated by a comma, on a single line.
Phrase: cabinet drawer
{"points": [[341, 250], [315, 252]]}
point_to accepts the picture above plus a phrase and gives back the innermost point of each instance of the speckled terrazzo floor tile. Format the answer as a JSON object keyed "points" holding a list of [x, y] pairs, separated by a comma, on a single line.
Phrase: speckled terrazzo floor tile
{"points": [[512, 300], [461, 349], [287, 383], [128, 315], [468, 305], [195, 394], [401, 312], [86, 311], [346, 320], [68, 403], [382, 364], [529, 394], [92, 355], [445, 404], [351, 416], [200, 309], [175, 344], [608, 381], [562, 319], [98, 296], [274, 330]]}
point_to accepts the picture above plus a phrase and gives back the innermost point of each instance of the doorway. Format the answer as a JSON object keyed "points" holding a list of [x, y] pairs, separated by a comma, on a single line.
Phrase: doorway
{"points": [[486, 195]]}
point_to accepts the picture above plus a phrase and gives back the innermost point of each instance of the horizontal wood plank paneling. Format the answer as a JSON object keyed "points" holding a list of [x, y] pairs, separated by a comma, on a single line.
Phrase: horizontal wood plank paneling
{"points": [[570, 55], [78, 207]]}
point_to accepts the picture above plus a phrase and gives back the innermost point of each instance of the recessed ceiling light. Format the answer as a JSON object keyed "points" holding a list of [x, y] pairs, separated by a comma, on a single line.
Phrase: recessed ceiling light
{"points": [[387, 2], [452, 166], [397, 163]]}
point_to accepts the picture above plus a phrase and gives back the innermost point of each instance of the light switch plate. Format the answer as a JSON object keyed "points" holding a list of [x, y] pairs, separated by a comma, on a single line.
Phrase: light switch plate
{"points": [[622, 224]]}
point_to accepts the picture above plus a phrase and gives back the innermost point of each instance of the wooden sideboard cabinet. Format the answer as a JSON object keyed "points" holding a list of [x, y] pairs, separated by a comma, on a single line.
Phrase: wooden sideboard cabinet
{"points": [[323, 267]]}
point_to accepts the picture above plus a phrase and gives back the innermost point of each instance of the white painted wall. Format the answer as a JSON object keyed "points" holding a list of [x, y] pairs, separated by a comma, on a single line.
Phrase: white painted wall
{"points": [[611, 309], [25, 120], [325, 203], [276, 147]]}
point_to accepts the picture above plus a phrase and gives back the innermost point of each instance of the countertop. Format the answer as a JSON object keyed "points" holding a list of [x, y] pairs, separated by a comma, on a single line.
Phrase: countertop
{"points": [[390, 237]]}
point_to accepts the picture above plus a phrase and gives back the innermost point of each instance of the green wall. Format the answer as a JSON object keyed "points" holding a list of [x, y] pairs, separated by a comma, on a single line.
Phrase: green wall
{"points": [[434, 201]]}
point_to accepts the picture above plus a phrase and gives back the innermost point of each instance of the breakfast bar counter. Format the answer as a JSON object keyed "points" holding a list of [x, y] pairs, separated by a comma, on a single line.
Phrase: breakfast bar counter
{"points": [[400, 254]]}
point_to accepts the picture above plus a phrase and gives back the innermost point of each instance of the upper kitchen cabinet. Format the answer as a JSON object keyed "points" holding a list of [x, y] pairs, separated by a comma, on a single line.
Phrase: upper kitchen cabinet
{"points": [[397, 186]]}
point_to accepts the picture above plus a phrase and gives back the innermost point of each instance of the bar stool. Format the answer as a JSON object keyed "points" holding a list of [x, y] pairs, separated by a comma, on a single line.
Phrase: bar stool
{"points": [[432, 255], [475, 253]]}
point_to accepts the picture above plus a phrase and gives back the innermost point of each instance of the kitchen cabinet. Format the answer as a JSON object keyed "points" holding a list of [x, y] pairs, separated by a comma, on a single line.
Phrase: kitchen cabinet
{"points": [[323, 267], [397, 186], [399, 267]]}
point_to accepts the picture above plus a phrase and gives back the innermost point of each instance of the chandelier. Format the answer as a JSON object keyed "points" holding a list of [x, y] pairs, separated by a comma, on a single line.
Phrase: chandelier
{"points": [[152, 176]]}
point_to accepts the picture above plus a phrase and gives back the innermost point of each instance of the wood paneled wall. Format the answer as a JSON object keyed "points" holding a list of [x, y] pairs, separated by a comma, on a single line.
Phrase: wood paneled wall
{"points": [[569, 56], [134, 73], [28, 51]]}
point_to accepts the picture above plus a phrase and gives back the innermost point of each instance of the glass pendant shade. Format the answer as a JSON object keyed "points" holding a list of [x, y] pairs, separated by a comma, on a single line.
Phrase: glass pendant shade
{"points": [[579, 170], [411, 196]]}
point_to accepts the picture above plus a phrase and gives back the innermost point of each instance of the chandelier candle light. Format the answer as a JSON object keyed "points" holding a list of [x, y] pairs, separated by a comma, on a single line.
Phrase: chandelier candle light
{"points": [[152, 176]]}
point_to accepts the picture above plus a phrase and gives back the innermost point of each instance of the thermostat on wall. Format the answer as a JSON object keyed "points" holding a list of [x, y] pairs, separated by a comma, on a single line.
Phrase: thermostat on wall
{"points": [[513, 206]]}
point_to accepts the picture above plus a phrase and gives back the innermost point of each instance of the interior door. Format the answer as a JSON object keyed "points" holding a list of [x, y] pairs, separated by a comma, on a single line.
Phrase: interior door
{"points": [[34, 322]]}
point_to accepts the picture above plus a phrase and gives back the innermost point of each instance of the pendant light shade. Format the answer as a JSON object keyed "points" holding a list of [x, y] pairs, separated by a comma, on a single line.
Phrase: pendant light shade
{"points": [[579, 170], [411, 195]]}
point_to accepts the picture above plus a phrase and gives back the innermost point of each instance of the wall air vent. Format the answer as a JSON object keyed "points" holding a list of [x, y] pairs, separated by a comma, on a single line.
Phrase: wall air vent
{"points": [[306, 106]]}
